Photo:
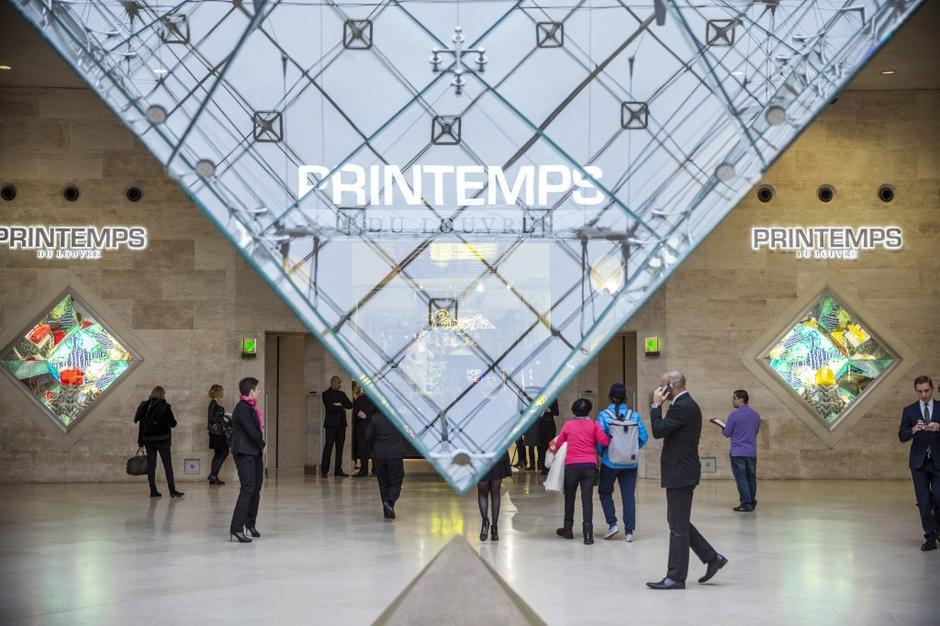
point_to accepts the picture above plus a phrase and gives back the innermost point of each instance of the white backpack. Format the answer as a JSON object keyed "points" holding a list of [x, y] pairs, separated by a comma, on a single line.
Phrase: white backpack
{"points": [[624, 448]]}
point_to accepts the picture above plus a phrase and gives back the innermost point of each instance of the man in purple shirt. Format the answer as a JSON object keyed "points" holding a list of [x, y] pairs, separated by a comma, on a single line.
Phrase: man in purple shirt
{"points": [[742, 427]]}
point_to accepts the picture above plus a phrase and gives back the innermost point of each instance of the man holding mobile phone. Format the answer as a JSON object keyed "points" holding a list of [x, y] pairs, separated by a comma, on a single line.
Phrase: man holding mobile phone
{"points": [[920, 424], [680, 470]]}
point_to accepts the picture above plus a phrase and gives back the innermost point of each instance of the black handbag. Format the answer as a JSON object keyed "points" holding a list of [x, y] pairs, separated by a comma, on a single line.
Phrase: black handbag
{"points": [[216, 428], [137, 464]]}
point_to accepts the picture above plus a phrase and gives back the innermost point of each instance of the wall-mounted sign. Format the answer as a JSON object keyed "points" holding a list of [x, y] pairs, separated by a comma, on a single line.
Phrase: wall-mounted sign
{"points": [[651, 346], [73, 242], [249, 346], [826, 242]]}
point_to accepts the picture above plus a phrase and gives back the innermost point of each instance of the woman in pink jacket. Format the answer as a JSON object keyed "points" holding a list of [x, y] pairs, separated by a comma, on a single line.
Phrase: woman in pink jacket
{"points": [[583, 435]]}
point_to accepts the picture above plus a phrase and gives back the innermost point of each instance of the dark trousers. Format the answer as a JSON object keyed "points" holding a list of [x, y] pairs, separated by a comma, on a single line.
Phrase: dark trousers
{"points": [[163, 447], [579, 476], [520, 453], [626, 479], [927, 491], [365, 451], [391, 474], [251, 474], [744, 469], [683, 535], [337, 437], [217, 460]]}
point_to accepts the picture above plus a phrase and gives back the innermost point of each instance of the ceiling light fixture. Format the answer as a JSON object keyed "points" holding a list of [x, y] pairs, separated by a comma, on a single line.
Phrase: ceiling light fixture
{"points": [[6, 68], [888, 72], [161, 71]]}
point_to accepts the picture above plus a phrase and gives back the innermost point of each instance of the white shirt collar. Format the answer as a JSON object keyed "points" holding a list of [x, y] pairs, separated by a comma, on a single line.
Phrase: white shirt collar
{"points": [[680, 394]]}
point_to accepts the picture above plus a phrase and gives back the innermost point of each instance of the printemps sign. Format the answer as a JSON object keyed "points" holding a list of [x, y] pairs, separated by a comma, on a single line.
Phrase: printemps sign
{"points": [[826, 242], [73, 242]]}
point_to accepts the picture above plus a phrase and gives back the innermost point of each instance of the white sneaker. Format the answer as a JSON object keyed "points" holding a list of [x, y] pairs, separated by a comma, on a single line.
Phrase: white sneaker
{"points": [[628, 537], [611, 531]]}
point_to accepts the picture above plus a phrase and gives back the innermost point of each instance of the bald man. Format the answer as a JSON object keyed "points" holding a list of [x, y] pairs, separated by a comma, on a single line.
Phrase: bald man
{"points": [[680, 470]]}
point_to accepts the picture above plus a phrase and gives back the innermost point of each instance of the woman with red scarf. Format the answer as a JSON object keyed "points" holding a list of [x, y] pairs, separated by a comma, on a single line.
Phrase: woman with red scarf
{"points": [[247, 447]]}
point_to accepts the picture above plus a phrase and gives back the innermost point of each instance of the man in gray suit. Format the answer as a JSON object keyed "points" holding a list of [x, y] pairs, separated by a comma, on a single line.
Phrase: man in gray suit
{"points": [[680, 470]]}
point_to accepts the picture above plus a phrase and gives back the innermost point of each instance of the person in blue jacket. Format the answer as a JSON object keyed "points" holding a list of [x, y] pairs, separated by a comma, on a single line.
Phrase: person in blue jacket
{"points": [[624, 475]]}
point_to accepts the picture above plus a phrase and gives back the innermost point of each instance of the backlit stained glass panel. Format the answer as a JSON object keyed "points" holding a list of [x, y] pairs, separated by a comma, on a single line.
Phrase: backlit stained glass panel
{"points": [[829, 359], [67, 361]]}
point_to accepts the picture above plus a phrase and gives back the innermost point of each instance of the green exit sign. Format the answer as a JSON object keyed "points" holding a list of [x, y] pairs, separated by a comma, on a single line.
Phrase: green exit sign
{"points": [[651, 346], [249, 346]]}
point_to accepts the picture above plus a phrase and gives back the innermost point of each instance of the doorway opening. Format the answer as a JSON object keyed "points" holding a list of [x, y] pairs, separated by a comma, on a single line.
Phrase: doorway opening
{"points": [[617, 363]]}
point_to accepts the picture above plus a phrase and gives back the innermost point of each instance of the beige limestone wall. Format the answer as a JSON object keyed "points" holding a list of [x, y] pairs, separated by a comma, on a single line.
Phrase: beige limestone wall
{"points": [[190, 297], [725, 295]]}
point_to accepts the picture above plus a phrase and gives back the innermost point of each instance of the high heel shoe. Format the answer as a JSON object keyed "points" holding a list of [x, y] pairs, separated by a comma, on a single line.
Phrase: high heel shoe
{"points": [[253, 532], [494, 535], [485, 530], [240, 536]]}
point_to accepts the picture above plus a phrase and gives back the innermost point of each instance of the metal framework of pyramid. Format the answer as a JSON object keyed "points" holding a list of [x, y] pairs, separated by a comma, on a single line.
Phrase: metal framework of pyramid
{"points": [[464, 200]]}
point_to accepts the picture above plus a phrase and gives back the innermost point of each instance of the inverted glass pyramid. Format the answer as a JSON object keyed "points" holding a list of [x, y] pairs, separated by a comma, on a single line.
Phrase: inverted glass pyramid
{"points": [[569, 156]]}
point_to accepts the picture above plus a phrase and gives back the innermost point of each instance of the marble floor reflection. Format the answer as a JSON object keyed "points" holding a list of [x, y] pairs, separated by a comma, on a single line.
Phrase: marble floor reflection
{"points": [[823, 552]]}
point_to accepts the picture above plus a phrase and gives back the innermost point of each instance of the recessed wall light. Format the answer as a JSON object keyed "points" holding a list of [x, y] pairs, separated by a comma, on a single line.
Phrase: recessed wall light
{"points": [[737, 73], [6, 68], [161, 71], [888, 72]]}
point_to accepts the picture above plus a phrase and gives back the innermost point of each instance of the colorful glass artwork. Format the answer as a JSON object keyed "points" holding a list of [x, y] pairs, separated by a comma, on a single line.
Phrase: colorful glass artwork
{"points": [[829, 359], [67, 361]]}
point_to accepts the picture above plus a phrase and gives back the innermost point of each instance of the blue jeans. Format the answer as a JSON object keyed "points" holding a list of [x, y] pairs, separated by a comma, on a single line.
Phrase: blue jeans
{"points": [[626, 478], [744, 469]]}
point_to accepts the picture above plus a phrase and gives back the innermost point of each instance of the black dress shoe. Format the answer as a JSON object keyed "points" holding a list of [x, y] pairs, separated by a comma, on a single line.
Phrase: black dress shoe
{"points": [[240, 536], [494, 534], [219, 481], [666, 584], [156, 494], [389, 510], [212, 480], [253, 532], [930, 544], [565, 533], [713, 566], [176, 494], [743, 509]]}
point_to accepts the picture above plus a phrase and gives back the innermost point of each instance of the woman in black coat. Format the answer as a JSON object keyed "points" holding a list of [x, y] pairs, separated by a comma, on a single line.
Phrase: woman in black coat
{"points": [[247, 446], [547, 432], [220, 432], [388, 454], [156, 422]]}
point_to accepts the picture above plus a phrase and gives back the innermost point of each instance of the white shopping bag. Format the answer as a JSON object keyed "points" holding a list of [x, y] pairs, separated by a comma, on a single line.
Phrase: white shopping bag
{"points": [[555, 481]]}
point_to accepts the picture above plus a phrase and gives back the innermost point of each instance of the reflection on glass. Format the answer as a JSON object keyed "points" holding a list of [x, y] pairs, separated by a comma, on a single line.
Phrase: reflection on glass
{"points": [[67, 361], [455, 242], [829, 359]]}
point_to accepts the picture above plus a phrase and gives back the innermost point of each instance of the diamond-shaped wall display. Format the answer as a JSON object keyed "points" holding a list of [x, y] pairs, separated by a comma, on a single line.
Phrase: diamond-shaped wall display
{"points": [[550, 34], [268, 126], [67, 361], [826, 361], [445, 130], [448, 214], [357, 34]]}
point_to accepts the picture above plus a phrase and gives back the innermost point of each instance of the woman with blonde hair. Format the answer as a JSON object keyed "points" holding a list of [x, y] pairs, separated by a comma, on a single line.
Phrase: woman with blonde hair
{"points": [[219, 425]]}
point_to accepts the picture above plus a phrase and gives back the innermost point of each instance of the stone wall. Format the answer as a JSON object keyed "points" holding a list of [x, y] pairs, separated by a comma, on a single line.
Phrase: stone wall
{"points": [[725, 296], [190, 297]]}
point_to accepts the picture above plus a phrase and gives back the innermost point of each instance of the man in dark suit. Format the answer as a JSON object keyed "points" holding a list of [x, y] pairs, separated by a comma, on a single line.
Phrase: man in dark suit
{"points": [[680, 470], [920, 424], [335, 403], [388, 455]]}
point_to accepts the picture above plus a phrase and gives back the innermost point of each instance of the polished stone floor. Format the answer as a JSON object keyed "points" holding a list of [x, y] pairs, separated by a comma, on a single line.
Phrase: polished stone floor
{"points": [[836, 552]]}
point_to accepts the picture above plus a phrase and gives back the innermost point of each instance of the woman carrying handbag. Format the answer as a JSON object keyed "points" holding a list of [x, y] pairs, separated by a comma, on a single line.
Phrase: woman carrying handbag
{"points": [[219, 425]]}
